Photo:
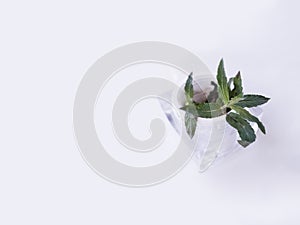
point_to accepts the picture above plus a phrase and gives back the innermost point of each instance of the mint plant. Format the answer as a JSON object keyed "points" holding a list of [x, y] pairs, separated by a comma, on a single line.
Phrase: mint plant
{"points": [[228, 98]]}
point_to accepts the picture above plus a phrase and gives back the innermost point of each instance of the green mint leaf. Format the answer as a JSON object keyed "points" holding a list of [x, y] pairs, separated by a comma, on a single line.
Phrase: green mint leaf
{"points": [[238, 89], [222, 81], [190, 124], [243, 127], [189, 89], [252, 101], [248, 116], [205, 110]]}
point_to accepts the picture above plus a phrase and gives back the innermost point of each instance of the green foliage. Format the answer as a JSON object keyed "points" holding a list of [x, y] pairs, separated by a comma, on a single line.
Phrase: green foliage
{"points": [[246, 115], [190, 123], [238, 89], [243, 127], [250, 101], [222, 100], [222, 82]]}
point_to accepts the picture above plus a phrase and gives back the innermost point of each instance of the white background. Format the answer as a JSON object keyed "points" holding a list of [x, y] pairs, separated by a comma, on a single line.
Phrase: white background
{"points": [[47, 46]]}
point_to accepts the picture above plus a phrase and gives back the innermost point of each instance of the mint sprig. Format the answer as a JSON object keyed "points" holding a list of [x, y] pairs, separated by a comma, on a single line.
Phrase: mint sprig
{"points": [[228, 98], [222, 82], [190, 123], [243, 127], [250, 101]]}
